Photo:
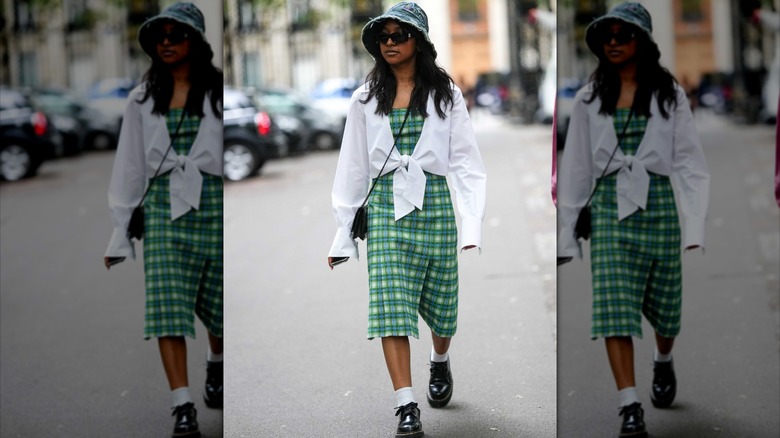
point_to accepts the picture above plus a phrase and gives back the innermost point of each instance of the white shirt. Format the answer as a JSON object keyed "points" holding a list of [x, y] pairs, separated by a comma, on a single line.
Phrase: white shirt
{"points": [[669, 147], [143, 140], [446, 147]]}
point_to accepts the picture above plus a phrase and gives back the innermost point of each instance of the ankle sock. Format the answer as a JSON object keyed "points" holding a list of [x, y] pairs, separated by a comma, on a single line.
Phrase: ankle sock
{"points": [[436, 357], [181, 396], [658, 357], [211, 357], [627, 396], [404, 396]]}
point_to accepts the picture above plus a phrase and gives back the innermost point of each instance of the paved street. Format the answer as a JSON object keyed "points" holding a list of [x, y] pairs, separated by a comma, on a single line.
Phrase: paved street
{"points": [[727, 354], [73, 361], [300, 365]]}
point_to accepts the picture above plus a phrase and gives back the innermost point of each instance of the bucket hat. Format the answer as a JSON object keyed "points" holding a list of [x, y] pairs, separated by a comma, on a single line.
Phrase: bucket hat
{"points": [[630, 13], [407, 13], [184, 13]]}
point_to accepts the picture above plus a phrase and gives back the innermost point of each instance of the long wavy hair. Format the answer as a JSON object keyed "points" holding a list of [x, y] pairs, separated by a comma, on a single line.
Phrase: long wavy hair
{"points": [[205, 78], [428, 77], [652, 79]]}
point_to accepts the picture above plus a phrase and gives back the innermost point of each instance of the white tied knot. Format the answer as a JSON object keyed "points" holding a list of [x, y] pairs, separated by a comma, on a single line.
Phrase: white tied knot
{"points": [[633, 184], [408, 186], [185, 188]]}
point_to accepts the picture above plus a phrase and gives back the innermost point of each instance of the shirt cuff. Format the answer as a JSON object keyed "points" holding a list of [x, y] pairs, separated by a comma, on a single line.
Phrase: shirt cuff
{"points": [[694, 235], [471, 233], [344, 245], [570, 247], [120, 245]]}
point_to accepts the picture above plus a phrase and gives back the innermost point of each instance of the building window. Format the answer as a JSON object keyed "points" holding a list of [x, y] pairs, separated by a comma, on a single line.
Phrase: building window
{"points": [[692, 11], [23, 15], [247, 15], [468, 10], [251, 70], [28, 72]]}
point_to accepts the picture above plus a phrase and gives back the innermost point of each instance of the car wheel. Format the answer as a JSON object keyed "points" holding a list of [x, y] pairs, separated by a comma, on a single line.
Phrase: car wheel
{"points": [[101, 141], [323, 141], [239, 162], [15, 162]]}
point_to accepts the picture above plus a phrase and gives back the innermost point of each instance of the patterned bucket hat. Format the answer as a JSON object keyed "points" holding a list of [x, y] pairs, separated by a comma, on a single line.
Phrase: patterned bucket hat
{"points": [[184, 13], [408, 13], [631, 13]]}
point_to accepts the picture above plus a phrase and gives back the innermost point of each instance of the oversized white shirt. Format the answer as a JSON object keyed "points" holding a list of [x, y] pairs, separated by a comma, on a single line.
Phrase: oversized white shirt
{"points": [[143, 140], [446, 147], [669, 147]]}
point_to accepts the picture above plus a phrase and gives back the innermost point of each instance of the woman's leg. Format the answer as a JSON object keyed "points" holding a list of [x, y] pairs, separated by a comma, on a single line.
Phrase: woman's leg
{"points": [[215, 344], [620, 350], [397, 358], [440, 345], [173, 351], [664, 387], [663, 345]]}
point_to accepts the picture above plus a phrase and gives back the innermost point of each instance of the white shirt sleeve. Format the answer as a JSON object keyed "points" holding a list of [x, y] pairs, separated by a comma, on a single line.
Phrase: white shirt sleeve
{"points": [[350, 185], [128, 179], [467, 173], [575, 178], [690, 174]]}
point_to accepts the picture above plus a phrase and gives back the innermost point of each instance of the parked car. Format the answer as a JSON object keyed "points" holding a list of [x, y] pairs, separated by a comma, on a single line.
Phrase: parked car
{"points": [[563, 107], [492, 92], [322, 130], [250, 135], [27, 136], [715, 92], [333, 96], [82, 127]]}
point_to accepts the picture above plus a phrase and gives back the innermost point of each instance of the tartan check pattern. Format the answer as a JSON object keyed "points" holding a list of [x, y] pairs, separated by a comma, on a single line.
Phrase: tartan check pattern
{"points": [[635, 263], [412, 262], [183, 258]]}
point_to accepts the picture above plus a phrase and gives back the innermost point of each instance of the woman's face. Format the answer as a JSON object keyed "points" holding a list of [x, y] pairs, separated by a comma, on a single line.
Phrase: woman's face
{"points": [[400, 52], [173, 43], [619, 43]]}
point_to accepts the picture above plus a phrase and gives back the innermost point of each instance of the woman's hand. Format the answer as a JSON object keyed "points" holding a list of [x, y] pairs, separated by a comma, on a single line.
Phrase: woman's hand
{"points": [[110, 261], [688, 248], [465, 248]]}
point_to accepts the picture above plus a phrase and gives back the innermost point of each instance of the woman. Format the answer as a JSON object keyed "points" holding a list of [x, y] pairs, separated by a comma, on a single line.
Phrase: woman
{"points": [[636, 246], [177, 105], [410, 109]]}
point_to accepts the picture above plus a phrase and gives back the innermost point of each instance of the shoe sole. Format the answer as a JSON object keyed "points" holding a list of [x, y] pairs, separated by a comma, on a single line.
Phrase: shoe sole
{"points": [[195, 434], [661, 404], [212, 403], [438, 403], [418, 434], [634, 435]]}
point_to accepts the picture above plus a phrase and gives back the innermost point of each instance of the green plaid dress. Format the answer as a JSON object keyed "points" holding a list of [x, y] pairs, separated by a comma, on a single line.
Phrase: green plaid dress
{"points": [[412, 262], [635, 262], [183, 258]]}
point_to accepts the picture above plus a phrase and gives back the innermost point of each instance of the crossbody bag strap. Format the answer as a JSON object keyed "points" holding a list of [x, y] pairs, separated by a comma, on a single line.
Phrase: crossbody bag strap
{"points": [[619, 139], [395, 141], [175, 134]]}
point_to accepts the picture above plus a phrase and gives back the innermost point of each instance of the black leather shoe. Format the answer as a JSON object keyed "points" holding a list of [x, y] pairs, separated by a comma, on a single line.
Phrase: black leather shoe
{"points": [[664, 384], [212, 394], [409, 425], [633, 421], [440, 386], [186, 421]]}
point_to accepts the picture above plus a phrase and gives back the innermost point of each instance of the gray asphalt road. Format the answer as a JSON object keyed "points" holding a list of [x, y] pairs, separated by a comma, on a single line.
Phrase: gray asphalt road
{"points": [[73, 361], [300, 365], [726, 357]]}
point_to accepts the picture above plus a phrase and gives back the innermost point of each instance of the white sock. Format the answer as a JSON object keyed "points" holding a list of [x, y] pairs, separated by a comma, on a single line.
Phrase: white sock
{"points": [[627, 396], [436, 357], [211, 357], [404, 396], [658, 357], [181, 396]]}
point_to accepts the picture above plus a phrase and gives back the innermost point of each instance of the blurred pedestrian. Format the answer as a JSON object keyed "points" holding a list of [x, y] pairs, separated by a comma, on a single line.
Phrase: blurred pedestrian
{"points": [[410, 115], [171, 142], [636, 230]]}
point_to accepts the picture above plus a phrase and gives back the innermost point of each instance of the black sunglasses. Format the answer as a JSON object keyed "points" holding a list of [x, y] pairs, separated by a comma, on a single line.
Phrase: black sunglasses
{"points": [[176, 36], [397, 37], [622, 36]]}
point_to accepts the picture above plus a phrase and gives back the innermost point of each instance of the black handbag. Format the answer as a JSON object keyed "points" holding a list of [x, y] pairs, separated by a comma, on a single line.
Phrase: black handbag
{"points": [[135, 228], [583, 226], [360, 222]]}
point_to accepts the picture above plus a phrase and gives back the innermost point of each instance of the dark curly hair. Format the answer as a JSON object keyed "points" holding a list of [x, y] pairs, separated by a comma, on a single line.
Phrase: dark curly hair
{"points": [[652, 79], [205, 78], [428, 76]]}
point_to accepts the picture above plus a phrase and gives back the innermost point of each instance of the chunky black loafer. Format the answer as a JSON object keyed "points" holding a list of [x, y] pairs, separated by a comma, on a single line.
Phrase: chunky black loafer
{"points": [[186, 421], [664, 384], [409, 425], [440, 385], [212, 393], [633, 421]]}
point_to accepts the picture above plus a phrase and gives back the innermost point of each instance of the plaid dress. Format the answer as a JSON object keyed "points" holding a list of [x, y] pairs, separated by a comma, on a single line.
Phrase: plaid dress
{"points": [[635, 263], [412, 262], [183, 258]]}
